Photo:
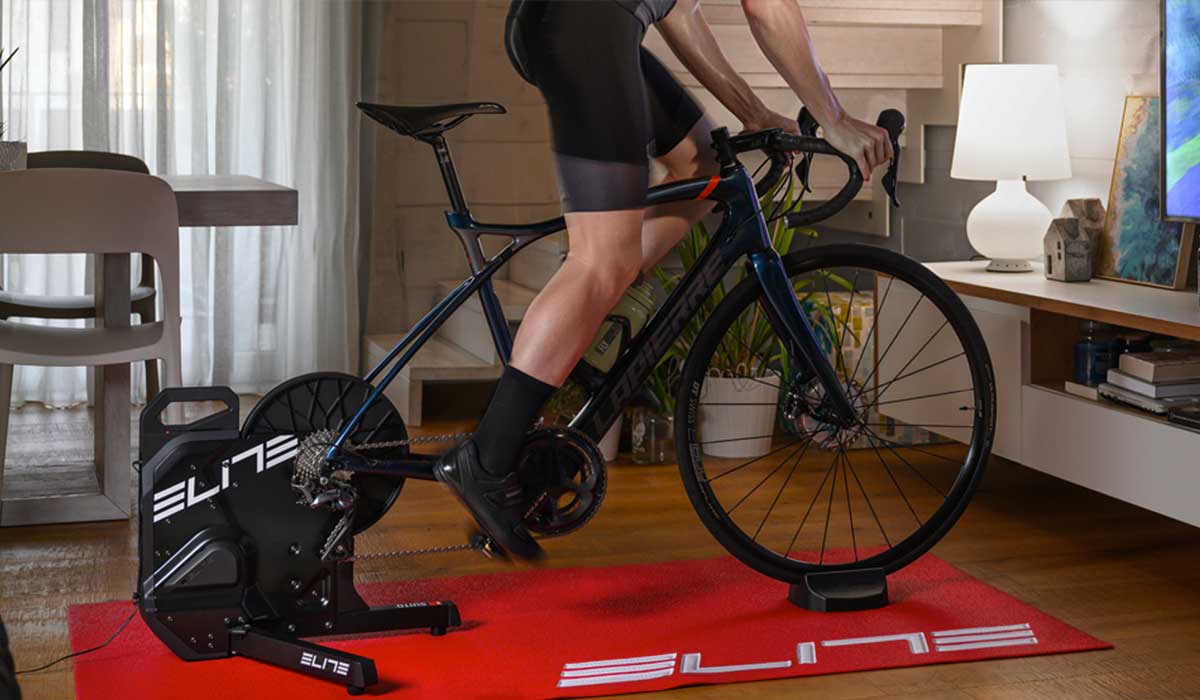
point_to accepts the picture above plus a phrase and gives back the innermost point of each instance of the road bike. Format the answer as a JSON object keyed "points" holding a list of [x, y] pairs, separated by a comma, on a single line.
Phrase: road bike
{"points": [[834, 411]]}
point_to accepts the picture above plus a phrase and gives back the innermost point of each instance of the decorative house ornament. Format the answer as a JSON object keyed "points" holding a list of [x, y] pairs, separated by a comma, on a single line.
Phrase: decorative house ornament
{"points": [[1090, 213], [1068, 251]]}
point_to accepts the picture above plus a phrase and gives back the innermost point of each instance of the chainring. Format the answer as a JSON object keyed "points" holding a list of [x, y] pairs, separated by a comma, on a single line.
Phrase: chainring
{"points": [[326, 401], [564, 477]]}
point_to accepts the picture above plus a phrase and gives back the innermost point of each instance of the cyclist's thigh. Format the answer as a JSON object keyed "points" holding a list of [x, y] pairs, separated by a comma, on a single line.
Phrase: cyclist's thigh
{"points": [[674, 114], [585, 58]]}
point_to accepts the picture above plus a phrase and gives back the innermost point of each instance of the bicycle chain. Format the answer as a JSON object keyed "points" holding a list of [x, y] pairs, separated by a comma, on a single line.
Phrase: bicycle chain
{"points": [[482, 544]]}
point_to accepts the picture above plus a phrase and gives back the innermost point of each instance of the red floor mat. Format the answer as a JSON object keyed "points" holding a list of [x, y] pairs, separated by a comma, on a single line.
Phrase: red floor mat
{"points": [[599, 631]]}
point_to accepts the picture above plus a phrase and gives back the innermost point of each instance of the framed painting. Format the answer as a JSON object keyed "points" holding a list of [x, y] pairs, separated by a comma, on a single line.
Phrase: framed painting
{"points": [[1136, 244], [1181, 110]]}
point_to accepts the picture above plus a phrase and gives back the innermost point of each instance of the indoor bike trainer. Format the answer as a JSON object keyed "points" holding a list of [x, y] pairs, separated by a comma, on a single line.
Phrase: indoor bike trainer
{"points": [[246, 543]]}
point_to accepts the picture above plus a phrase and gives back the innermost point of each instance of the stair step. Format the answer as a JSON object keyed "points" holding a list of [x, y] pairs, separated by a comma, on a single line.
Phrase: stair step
{"points": [[514, 298], [437, 361]]}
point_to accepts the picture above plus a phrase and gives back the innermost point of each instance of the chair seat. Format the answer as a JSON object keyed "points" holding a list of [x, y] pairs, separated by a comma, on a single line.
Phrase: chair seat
{"points": [[19, 305], [427, 120], [27, 344]]}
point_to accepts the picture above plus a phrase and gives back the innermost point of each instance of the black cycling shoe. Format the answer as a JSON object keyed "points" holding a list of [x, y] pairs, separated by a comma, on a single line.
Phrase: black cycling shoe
{"points": [[495, 502]]}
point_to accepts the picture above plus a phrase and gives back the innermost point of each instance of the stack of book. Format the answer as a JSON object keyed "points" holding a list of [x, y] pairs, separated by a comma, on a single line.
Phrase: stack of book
{"points": [[1155, 381]]}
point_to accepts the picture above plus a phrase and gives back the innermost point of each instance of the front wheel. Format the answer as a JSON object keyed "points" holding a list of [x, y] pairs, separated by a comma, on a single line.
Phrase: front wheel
{"points": [[784, 486]]}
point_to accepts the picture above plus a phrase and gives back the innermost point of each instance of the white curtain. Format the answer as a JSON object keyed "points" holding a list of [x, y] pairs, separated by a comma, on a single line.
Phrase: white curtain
{"points": [[252, 87]]}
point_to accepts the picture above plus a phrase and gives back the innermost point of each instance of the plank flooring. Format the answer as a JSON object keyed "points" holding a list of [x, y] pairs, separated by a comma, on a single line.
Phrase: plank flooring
{"points": [[1115, 571]]}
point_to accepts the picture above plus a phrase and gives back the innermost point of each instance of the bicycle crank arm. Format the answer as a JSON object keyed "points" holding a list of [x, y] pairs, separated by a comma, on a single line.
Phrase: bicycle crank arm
{"points": [[415, 466]]}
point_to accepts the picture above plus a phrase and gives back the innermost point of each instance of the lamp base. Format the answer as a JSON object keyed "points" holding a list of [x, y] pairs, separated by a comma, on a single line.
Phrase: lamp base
{"points": [[1009, 265]]}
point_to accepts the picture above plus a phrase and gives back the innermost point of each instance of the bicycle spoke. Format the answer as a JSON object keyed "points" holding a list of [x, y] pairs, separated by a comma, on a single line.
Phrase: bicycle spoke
{"points": [[916, 355], [746, 464], [895, 482], [914, 469], [870, 506], [752, 437], [780, 493], [924, 396], [725, 403], [849, 508], [871, 333], [917, 425], [760, 483], [807, 512], [914, 448], [903, 325], [829, 512], [916, 372]]}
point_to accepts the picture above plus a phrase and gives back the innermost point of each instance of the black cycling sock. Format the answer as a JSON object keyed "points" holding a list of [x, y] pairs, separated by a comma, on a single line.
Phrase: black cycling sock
{"points": [[502, 430]]}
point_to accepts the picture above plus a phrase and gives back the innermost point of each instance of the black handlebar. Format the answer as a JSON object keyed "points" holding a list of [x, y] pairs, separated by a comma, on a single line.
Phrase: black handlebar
{"points": [[778, 144]]}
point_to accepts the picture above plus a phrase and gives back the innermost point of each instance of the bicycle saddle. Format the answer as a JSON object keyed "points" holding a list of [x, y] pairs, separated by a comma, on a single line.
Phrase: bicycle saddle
{"points": [[428, 120]]}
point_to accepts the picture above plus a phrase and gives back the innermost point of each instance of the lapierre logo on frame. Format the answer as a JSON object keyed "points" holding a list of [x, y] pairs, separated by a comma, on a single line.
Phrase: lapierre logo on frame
{"points": [[644, 668]]}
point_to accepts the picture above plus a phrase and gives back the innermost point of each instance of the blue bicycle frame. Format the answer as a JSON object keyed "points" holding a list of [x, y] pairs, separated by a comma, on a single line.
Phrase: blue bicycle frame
{"points": [[742, 233]]}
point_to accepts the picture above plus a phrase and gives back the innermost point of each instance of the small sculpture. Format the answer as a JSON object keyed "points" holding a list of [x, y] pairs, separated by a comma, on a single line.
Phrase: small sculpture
{"points": [[1090, 213], [1068, 251]]}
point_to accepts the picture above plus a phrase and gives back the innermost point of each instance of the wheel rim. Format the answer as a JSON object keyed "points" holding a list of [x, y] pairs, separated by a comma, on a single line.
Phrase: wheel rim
{"points": [[814, 496]]}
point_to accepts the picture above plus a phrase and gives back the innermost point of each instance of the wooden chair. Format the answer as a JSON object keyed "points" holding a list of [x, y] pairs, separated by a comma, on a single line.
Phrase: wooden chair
{"points": [[113, 215], [17, 305]]}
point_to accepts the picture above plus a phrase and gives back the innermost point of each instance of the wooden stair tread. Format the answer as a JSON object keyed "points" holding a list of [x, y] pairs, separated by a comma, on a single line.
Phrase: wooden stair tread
{"points": [[437, 360], [514, 298]]}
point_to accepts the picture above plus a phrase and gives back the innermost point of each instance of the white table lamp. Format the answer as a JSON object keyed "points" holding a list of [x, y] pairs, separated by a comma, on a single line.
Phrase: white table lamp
{"points": [[1011, 128]]}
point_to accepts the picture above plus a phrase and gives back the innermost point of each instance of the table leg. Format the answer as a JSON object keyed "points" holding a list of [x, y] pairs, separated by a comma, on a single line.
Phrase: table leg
{"points": [[113, 398]]}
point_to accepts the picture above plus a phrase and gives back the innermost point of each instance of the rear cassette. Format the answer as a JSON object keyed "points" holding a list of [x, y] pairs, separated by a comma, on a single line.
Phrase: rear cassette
{"points": [[564, 477], [318, 406]]}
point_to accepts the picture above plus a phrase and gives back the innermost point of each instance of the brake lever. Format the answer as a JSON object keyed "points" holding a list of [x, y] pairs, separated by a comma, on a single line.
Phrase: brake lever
{"points": [[893, 122], [808, 127]]}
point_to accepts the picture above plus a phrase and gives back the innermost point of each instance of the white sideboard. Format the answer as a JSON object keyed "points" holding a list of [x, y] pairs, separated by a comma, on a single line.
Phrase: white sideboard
{"points": [[1030, 325]]}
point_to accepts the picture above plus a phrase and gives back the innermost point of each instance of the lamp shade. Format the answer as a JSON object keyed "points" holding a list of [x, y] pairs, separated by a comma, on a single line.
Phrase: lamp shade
{"points": [[1011, 125]]}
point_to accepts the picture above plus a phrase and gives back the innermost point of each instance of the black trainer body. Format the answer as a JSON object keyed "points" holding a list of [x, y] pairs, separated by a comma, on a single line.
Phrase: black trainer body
{"points": [[495, 502]]}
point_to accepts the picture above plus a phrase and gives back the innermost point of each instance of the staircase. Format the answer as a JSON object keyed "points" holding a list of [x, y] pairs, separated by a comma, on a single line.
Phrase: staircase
{"points": [[462, 350]]}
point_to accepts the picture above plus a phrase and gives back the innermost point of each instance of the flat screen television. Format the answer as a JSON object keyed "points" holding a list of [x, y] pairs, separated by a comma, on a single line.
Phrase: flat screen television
{"points": [[1181, 110]]}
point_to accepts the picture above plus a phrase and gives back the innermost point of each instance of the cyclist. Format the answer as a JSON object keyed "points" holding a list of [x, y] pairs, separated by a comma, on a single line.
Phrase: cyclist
{"points": [[612, 107]]}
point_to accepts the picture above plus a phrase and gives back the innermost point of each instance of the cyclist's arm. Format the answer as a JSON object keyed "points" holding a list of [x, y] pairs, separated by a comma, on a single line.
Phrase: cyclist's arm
{"points": [[779, 28], [691, 40]]}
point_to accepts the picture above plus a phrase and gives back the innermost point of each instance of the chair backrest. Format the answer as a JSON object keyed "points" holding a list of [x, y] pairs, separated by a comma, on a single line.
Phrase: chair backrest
{"points": [[98, 160], [69, 210]]}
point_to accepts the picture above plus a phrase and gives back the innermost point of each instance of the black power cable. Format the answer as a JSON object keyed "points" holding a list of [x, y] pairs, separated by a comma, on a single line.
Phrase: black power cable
{"points": [[98, 647]]}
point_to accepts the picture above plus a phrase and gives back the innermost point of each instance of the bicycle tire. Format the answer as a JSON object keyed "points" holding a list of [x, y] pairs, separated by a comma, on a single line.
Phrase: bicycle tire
{"points": [[749, 292]]}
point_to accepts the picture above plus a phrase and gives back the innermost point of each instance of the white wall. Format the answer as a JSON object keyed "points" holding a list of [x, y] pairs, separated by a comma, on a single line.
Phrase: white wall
{"points": [[1105, 50]]}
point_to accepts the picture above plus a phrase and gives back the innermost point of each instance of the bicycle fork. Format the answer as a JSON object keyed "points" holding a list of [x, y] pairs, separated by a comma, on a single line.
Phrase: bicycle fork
{"points": [[784, 310], [792, 325]]}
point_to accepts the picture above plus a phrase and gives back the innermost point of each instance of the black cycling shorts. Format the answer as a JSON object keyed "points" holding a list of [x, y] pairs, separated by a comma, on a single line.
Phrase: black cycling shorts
{"points": [[612, 104]]}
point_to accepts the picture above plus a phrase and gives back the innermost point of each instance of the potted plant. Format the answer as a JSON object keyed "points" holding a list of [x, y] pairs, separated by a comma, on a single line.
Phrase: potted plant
{"points": [[743, 386], [12, 153]]}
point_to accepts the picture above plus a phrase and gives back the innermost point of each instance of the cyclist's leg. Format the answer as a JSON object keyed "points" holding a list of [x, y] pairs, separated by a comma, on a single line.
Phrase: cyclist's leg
{"points": [[604, 259], [584, 58], [682, 144]]}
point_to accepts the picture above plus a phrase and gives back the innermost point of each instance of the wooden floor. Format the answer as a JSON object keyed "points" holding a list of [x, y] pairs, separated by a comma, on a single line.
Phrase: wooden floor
{"points": [[1115, 571]]}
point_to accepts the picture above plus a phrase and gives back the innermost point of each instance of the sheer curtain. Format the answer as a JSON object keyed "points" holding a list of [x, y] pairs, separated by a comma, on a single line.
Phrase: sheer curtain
{"points": [[253, 87]]}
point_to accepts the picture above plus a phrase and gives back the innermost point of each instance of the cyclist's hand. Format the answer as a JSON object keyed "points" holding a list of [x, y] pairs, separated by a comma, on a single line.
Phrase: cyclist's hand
{"points": [[866, 143], [771, 120]]}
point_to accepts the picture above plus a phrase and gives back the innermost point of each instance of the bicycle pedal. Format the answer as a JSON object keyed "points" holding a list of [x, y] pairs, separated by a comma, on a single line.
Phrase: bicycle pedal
{"points": [[486, 546]]}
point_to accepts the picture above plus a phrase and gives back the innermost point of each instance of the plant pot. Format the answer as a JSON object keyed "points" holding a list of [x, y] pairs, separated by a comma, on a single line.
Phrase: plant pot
{"points": [[611, 441], [720, 420], [12, 155]]}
